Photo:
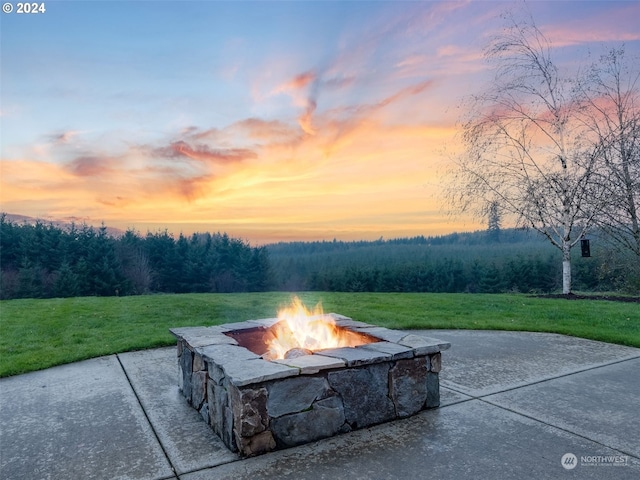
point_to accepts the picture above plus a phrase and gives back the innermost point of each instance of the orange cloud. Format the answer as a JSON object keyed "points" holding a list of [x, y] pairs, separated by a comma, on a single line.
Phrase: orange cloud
{"points": [[348, 168], [305, 120], [299, 81], [270, 131], [379, 180], [193, 188]]}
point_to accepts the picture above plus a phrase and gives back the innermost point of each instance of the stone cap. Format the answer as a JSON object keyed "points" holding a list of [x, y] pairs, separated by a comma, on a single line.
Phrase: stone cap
{"points": [[354, 356], [310, 364], [423, 345], [203, 336], [251, 371], [396, 350], [244, 367]]}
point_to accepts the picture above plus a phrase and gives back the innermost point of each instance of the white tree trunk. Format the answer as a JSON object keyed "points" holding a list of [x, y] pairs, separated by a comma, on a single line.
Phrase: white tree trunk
{"points": [[566, 267]]}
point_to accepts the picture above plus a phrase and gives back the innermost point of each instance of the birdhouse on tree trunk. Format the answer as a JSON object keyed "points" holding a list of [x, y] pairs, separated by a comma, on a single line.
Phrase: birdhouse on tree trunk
{"points": [[585, 248]]}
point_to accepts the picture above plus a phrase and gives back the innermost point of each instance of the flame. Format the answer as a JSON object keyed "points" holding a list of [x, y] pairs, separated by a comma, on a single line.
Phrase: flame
{"points": [[300, 328]]}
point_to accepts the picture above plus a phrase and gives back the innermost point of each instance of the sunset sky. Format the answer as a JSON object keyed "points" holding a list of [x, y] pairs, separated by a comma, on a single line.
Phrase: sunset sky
{"points": [[268, 120]]}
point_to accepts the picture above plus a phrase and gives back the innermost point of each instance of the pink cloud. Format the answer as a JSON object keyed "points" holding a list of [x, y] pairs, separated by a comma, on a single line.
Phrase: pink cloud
{"points": [[612, 25], [298, 82], [193, 188], [270, 131], [203, 153], [91, 166]]}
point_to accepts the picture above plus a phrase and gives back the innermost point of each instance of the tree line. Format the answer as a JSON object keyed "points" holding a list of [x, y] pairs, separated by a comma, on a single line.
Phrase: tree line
{"points": [[43, 260], [492, 261]]}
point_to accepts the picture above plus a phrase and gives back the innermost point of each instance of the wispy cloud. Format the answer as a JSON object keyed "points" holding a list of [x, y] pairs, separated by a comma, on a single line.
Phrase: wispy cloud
{"points": [[92, 166], [612, 25], [204, 153], [340, 134], [64, 137], [255, 168], [298, 82]]}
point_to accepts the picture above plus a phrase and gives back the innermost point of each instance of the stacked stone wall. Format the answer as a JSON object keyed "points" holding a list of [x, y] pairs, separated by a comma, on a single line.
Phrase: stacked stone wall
{"points": [[256, 406]]}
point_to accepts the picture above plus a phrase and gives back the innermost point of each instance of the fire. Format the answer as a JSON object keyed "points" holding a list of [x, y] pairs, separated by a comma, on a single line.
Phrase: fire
{"points": [[300, 328]]}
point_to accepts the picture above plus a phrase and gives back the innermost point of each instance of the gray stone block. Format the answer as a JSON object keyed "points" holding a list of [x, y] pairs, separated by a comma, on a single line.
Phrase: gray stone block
{"points": [[293, 395], [263, 442], [442, 345], [396, 351], [243, 373], [408, 385], [232, 327], [222, 354], [433, 390], [216, 374], [324, 419], [220, 413], [310, 364], [202, 336], [204, 412], [423, 345], [227, 436], [186, 368], [436, 362], [265, 322], [198, 362], [356, 356], [249, 410], [365, 394], [215, 409], [346, 322], [198, 388], [382, 333]]}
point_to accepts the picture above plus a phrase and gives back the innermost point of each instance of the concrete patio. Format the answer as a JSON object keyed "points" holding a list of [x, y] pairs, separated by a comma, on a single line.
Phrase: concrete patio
{"points": [[511, 411]]}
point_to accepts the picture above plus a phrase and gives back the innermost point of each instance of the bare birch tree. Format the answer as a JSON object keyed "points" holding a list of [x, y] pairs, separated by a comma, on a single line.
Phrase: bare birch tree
{"points": [[525, 145], [612, 98]]}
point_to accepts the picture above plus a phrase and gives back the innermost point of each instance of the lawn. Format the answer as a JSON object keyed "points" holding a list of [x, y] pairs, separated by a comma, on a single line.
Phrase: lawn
{"points": [[36, 334]]}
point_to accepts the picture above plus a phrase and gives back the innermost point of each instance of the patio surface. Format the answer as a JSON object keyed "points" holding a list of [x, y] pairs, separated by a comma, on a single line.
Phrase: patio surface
{"points": [[512, 405]]}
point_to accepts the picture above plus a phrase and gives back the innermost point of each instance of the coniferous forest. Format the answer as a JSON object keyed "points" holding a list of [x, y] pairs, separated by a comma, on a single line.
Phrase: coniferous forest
{"points": [[44, 260], [48, 261], [510, 260]]}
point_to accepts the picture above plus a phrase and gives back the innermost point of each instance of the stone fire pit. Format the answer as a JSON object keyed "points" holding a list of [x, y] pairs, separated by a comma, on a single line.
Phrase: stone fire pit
{"points": [[256, 405]]}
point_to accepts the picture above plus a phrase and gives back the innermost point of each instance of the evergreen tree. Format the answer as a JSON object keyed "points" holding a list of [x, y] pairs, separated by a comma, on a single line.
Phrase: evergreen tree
{"points": [[258, 271], [104, 271], [9, 244], [160, 250], [30, 281], [493, 227], [491, 282], [134, 263], [66, 282]]}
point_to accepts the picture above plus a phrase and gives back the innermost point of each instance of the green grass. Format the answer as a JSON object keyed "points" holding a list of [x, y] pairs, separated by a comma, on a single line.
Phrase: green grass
{"points": [[36, 334]]}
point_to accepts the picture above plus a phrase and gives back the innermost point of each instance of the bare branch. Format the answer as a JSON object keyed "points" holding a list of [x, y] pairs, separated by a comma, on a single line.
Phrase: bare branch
{"points": [[528, 145]]}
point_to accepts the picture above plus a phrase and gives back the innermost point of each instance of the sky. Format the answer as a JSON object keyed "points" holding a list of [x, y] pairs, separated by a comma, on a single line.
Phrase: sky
{"points": [[271, 121]]}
